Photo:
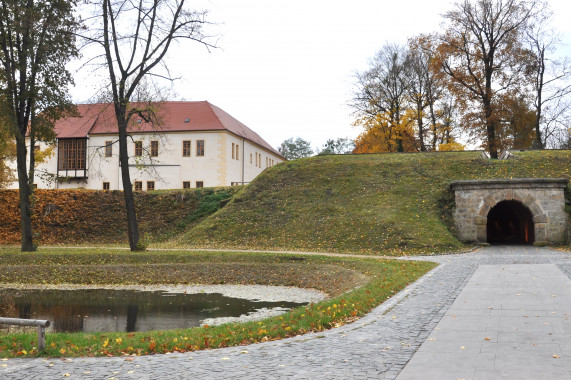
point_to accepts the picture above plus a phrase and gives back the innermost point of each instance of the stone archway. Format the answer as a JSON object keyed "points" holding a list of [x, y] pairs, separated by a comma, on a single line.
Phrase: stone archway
{"points": [[535, 204]]}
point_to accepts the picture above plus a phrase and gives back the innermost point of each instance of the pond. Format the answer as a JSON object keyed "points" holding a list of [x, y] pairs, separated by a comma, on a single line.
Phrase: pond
{"points": [[91, 310]]}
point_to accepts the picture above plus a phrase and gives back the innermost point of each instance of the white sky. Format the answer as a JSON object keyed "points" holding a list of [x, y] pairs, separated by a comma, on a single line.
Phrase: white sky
{"points": [[285, 68]]}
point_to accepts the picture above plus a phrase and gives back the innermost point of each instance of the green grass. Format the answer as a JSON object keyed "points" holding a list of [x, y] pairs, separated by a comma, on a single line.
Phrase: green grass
{"points": [[391, 204], [355, 285]]}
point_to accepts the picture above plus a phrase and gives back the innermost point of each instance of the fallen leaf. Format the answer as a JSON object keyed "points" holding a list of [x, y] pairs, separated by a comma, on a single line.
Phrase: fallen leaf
{"points": [[556, 356], [487, 338]]}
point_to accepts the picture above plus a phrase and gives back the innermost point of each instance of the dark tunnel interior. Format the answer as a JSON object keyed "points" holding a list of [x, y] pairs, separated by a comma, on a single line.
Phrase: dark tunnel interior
{"points": [[510, 222]]}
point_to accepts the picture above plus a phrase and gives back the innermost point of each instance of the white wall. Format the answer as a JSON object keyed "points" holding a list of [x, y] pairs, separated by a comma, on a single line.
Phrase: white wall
{"points": [[169, 169]]}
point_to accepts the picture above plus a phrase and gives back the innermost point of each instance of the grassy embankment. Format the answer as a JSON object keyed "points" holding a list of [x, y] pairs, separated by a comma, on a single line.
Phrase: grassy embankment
{"points": [[391, 204], [355, 286], [87, 217]]}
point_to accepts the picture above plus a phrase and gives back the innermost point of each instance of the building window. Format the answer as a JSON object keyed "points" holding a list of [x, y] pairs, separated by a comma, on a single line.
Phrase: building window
{"points": [[237, 151], [150, 185], [250, 158], [200, 147], [199, 184], [108, 148], [138, 148], [233, 155], [154, 148], [106, 186], [138, 186], [186, 185], [71, 154], [186, 148]]}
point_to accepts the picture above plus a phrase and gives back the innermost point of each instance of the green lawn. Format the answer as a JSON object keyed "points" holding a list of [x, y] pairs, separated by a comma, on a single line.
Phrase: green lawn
{"points": [[355, 286]]}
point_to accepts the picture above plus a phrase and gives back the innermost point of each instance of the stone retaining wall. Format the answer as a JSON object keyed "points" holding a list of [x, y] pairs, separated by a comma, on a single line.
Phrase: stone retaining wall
{"points": [[544, 197]]}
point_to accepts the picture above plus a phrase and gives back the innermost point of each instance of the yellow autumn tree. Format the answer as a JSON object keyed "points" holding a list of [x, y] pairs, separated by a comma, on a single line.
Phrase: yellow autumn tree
{"points": [[7, 156], [382, 133]]}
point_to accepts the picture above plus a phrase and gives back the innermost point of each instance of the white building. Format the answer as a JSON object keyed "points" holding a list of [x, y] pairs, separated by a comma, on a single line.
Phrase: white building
{"points": [[193, 144]]}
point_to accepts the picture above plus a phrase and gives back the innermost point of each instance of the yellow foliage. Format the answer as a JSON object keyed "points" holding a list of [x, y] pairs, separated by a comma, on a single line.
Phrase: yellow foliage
{"points": [[451, 147], [382, 134], [43, 154]]}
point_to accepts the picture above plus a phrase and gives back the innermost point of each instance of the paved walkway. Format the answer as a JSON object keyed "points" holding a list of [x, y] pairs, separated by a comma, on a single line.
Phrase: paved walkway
{"points": [[417, 327], [509, 321]]}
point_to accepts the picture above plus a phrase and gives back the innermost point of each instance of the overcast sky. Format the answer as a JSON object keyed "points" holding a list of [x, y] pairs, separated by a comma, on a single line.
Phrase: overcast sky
{"points": [[285, 68]]}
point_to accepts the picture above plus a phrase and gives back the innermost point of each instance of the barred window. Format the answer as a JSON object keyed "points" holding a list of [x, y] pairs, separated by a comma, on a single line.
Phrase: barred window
{"points": [[154, 148], [200, 147], [138, 186], [186, 148], [106, 186], [186, 184], [71, 154], [199, 184], [150, 185], [138, 148], [108, 148]]}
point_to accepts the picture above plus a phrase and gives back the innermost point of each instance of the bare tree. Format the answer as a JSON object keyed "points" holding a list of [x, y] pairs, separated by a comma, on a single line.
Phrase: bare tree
{"points": [[135, 38], [382, 91], [549, 77], [36, 42], [425, 88], [481, 53]]}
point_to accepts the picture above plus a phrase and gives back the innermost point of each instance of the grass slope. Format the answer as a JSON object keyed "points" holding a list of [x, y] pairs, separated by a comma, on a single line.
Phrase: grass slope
{"points": [[381, 203], [98, 217]]}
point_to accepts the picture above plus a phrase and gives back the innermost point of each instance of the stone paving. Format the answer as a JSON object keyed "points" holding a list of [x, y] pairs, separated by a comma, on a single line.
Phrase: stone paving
{"points": [[378, 345], [510, 322]]}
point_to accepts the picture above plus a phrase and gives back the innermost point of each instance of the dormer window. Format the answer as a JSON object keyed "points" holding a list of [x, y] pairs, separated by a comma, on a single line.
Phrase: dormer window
{"points": [[139, 121], [187, 120]]}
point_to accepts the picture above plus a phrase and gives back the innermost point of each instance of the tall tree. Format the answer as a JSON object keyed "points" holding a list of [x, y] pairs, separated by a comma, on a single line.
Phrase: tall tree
{"points": [[425, 88], [481, 53], [381, 94], [549, 77], [135, 38], [36, 41]]}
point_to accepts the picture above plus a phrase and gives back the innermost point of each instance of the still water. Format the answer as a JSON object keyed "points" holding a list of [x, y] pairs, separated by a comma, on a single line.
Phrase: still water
{"points": [[91, 310]]}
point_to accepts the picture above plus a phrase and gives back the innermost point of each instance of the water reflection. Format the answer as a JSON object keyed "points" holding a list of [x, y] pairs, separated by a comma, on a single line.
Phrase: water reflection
{"points": [[91, 310]]}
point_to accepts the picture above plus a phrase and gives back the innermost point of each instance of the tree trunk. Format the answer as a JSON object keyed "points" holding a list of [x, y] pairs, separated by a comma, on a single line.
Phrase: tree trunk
{"points": [[491, 132], [25, 209], [433, 125], [132, 228], [420, 126]]}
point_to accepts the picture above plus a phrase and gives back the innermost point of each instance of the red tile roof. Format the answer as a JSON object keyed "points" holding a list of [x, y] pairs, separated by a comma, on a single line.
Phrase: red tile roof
{"points": [[99, 118]]}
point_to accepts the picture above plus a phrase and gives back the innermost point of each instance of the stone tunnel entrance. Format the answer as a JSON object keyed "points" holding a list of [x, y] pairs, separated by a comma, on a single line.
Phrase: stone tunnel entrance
{"points": [[510, 211], [510, 222]]}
